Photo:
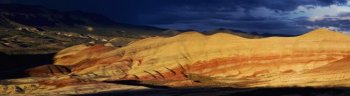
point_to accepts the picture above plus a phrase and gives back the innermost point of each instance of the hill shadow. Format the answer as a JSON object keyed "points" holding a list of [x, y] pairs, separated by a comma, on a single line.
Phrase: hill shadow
{"points": [[13, 66], [137, 83]]}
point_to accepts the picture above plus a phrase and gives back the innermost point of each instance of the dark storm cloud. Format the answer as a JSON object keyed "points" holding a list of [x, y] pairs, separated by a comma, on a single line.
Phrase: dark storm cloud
{"points": [[211, 14], [197, 14], [338, 23], [188, 9]]}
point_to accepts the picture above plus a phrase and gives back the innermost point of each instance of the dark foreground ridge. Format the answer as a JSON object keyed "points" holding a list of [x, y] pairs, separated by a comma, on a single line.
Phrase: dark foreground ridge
{"points": [[205, 91]]}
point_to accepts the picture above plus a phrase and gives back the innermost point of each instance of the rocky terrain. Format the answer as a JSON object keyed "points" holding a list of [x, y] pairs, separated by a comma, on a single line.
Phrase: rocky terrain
{"points": [[28, 29], [317, 59], [45, 42]]}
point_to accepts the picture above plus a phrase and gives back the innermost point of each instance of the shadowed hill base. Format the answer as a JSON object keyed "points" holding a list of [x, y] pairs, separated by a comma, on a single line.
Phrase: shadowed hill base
{"points": [[13, 66]]}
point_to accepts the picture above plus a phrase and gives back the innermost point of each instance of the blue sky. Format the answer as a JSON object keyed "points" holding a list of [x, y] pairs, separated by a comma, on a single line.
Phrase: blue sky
{"points": [[264, 16]]}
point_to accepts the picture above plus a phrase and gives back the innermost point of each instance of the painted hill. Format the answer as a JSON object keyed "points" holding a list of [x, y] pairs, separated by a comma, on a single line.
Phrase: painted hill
{"points": [[218, 55], [318, 59]]}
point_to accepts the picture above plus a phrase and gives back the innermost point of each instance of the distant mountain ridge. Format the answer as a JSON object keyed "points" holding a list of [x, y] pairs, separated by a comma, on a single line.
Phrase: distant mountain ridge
{"points": [[38, 17], [248, 34], [28, 29], [241, 33]]}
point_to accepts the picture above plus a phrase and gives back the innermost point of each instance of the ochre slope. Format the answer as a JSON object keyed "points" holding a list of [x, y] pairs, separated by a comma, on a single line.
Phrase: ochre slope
{"points": [[220, 55]]}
